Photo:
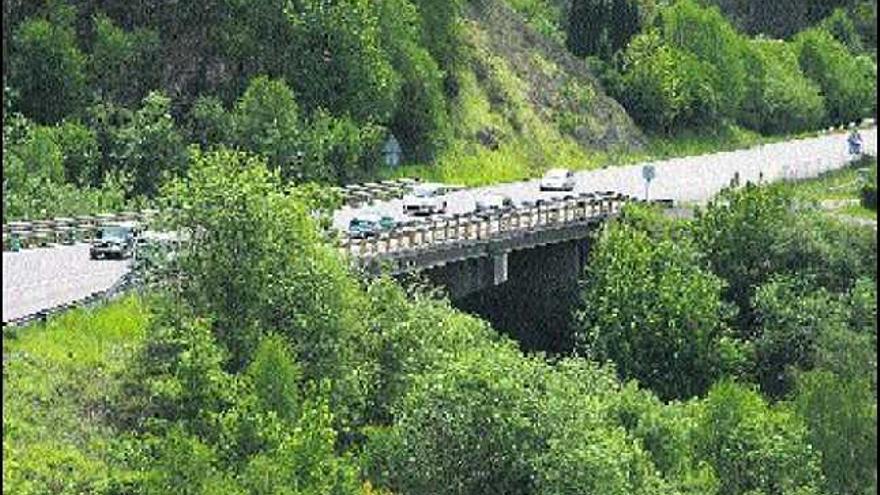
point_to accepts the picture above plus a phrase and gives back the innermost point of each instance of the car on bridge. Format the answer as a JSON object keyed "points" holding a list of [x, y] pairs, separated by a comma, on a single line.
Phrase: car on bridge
{"points": [[426, 199], [493, 202], [558, 179], [369, 224], [115, 240]]}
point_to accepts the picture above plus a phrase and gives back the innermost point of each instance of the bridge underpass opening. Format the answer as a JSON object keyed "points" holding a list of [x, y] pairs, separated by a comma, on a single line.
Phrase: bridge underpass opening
{"points": [[535, 304]]}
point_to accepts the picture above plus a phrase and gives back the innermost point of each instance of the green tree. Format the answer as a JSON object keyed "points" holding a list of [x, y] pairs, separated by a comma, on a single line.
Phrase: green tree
{"points": [[664, 330], [208, 123], [124, 66], [266, 120], [468, 429], [603, 27], [755, 448], [349, 71], [48, 70], [779, 98], [338, 150], [80, 153], [276, 377], [848, 83], [149, 146], [841, 414], [843, 29], [706, 34], [742, 234], [422, 122], [666, 88], [262, 268], [793, 317]]}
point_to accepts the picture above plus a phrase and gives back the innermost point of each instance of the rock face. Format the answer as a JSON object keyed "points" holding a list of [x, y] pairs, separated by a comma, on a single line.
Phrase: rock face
{"points": [[521, 67]]}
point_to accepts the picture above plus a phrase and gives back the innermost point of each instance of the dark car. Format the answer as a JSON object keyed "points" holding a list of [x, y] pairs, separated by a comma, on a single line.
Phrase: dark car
{"points": [[369, 225], [114, 240]]}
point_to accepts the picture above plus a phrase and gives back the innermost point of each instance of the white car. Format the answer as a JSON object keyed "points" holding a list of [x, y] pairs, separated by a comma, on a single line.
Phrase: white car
{"points": [[426, 199], [558, 179]]}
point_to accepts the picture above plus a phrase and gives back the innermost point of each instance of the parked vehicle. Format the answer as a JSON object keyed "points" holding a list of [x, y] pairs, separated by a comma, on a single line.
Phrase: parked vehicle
{"points": [[369, 225], [115, 240], [493, 202], [558, 179], [426, 199]]}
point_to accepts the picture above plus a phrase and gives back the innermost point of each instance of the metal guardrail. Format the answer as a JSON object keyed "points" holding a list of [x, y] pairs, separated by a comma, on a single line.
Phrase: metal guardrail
{"points": [[42, 233], [94, 299], [356, 195]]}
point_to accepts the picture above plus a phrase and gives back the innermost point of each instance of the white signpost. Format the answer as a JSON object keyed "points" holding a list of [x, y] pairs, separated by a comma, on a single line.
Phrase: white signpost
{"points": [[648, 173]]}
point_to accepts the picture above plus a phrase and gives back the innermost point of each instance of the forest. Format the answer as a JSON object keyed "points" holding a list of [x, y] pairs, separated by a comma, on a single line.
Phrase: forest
{"points": [[741, 362]]}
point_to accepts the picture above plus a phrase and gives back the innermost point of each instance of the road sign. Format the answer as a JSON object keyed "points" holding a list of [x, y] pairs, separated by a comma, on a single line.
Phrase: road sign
{"points": [[648, 172]]}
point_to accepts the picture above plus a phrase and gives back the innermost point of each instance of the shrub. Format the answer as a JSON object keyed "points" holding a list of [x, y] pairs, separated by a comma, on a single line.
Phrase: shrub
{"points": [[662, 331], [848, 83], [754, 448], [124, 66], [149, 146], [779, 98], [665, 88], [793, 318], [48, 70], [869, 189], [707, 35], [841, 415], [841, 26]]}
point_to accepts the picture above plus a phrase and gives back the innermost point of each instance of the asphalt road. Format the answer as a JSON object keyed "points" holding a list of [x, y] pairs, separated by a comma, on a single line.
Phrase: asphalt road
{"points": [[42, 278], [691, 179]]}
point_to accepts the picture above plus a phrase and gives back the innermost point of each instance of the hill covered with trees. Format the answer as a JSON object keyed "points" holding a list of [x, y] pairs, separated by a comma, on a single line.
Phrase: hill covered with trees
{"points": [[103, 101]]}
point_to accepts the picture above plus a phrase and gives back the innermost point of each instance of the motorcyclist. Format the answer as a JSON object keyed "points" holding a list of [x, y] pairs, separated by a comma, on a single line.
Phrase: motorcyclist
{"points": [[855, 143]]}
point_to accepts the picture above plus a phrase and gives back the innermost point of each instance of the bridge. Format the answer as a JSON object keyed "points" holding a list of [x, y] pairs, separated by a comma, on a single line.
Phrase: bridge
{"points": [[468, 253]]}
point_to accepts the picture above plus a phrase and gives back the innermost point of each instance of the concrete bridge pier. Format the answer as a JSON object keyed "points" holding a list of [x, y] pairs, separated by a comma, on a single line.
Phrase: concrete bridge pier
{"points": [[463, 278], [535, 304]]}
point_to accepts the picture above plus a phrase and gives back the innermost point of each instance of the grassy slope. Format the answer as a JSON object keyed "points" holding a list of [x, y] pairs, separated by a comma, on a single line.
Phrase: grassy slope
{"points": [[526, 105], [56, 381], [836, 189]]}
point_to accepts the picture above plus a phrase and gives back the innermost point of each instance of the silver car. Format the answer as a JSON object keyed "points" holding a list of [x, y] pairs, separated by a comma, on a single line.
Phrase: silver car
{"points": [[426, 199], [558, 179]]}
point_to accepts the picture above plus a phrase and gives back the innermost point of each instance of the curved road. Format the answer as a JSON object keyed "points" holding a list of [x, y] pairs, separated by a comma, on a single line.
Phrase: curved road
{"points": [[42, 278], [689, 179]]}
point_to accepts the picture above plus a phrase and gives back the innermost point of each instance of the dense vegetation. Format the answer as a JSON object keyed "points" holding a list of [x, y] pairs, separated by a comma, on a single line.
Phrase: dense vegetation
{"points": [[741, 364], [103, 101]]}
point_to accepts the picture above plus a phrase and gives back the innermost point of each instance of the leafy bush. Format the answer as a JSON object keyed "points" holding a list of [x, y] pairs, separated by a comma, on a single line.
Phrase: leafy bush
{"points": [[707, 35], [124, 66], [848, 83], [793, 319], [839, 25], [754, 448], [48, 71], [779, 98], [666, 88], [259, 255], [869, 189], [603, 28], [664, 330], [841, 415], [149, 147]]}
